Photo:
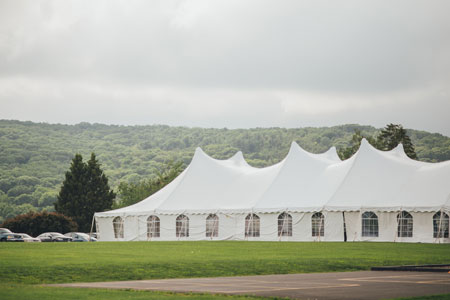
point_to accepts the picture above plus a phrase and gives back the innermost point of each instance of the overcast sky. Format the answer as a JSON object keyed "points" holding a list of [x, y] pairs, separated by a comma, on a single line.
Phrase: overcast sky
{"points": [[234, 64]]}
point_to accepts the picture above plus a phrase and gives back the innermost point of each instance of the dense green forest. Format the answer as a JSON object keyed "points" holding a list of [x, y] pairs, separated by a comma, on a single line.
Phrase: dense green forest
{"points": [[35, 156]]}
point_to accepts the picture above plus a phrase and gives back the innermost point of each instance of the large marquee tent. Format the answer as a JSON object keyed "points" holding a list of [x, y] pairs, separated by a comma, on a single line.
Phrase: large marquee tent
{"points": [[373, 196]]}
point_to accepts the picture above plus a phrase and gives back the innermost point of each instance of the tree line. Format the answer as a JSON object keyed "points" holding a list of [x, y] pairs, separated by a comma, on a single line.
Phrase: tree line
{"points": [[35, 156], [85, 189]]}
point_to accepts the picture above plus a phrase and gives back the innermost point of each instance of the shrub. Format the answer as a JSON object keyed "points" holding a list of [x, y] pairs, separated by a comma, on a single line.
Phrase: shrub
{"points": [[35, 223]]}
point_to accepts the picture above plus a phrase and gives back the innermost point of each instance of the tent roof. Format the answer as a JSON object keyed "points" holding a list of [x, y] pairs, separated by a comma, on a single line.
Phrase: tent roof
{"points": [[370, 180]]}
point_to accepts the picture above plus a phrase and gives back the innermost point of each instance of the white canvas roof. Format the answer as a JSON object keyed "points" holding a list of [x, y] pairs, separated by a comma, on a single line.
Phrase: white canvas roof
{"points": [[370, 179]]}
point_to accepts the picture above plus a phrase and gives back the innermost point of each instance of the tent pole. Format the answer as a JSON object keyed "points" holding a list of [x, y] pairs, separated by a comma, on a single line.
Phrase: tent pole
{"points": [[399, 232], [345, 228], [92, 227], [439, 233], [279, 230], [216, 225], [360, 226]]}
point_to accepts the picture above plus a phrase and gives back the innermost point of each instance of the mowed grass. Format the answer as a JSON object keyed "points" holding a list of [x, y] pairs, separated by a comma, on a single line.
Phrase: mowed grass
{"points": [[106, 261], [22, 292]]}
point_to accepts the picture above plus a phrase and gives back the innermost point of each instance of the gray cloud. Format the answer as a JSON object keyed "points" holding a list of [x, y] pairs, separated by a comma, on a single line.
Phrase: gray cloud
{"points": [[227, 63]]}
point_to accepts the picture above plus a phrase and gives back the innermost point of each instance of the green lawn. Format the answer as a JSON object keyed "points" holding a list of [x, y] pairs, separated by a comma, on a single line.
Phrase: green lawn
{"points": [[24, 264], [23, 292]]}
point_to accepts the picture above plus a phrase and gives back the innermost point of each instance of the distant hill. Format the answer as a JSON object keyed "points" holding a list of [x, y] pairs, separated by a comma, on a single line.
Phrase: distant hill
{"points": [[35, 156]]}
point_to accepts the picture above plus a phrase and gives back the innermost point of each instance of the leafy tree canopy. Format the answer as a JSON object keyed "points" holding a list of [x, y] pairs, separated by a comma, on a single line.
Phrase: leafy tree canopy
{"points": [[130, 193], [34, 156]]}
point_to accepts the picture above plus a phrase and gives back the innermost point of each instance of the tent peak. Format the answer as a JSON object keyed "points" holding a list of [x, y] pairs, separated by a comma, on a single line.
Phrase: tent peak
{"points": [[238, 155], [332, 154], [199, 152], [297, 149], [238, 158], [366, 147], [364, 141], [399, 151]]}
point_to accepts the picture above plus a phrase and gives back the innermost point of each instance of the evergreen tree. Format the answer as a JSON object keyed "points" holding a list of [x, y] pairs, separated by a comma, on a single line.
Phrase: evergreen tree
{"points": [[85, 191], [70, 200], [391, 136], [387, 140]]}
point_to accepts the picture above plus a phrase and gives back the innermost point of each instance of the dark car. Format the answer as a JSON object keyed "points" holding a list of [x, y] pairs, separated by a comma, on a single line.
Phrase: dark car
{"points": [[10, 237], [80, 237], [53, 237]]}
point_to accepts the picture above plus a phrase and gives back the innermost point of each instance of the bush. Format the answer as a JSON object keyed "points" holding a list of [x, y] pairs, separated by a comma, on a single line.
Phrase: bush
{"points": [[36, 223]]}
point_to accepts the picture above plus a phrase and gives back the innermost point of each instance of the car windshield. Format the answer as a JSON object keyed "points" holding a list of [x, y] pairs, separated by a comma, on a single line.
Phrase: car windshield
{"points": [[24, 235], [83, 235], [5, 230], [55, 234]]}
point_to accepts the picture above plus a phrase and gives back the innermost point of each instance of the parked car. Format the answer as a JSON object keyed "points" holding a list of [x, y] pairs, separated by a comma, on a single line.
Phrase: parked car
{"points": [[5, 230], [80, 237], [28, 238], [10, 237], [53, 237]]}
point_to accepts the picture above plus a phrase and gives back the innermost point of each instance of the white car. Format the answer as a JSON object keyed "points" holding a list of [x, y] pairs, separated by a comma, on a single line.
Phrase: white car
{"points": [[5, 230], [80, 237], [27, 238], [53, 237]]}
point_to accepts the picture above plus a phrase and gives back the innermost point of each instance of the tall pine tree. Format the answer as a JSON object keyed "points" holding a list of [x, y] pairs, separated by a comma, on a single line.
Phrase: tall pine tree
{"points": [[84, 191], [392, 135], [388, 139]]}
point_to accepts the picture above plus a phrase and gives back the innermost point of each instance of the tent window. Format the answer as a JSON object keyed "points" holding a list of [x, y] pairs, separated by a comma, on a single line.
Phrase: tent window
{"points": [[182, 226], [440, 225], [285, 224], [405, 224], [369, 224], [118, 227], [212, 226], [152, 227], [318, 224], [252, 226]]}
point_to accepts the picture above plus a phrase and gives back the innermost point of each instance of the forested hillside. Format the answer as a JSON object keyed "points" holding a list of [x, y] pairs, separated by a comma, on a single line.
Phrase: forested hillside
{"points": [[35, 156]]}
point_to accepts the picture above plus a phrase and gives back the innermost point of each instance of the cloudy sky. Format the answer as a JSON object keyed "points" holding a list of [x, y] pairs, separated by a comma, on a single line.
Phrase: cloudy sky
{"points": [[234, 64]]}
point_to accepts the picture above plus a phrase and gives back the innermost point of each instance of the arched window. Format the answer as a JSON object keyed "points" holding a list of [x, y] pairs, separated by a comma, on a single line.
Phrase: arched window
{"points": [[284, 224], [440, 225], [252, 226], [318, 224], [118, 227], [212, 226], [405, 224], [152, 227], [182, 226], [369, 224]]}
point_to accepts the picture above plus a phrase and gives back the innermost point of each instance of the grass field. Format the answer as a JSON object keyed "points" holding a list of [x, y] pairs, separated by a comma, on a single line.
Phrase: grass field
{"points": [[22, 265]]}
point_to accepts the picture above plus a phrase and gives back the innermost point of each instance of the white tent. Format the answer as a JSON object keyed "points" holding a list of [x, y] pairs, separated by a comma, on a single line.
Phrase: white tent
{"points": [[373, 196]]}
